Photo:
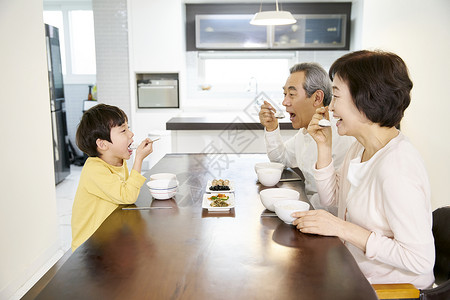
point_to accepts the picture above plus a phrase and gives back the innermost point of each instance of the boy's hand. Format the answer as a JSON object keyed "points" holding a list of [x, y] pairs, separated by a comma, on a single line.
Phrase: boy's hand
{"points": [[144, 149]]}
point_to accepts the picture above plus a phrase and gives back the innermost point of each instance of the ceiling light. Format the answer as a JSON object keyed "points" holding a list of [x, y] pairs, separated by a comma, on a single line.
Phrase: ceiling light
{"points": [[277, 17]]}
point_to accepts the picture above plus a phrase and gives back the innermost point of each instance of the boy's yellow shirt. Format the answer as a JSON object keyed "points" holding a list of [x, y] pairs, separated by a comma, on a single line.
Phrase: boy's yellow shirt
{"points": [[101, 189]]}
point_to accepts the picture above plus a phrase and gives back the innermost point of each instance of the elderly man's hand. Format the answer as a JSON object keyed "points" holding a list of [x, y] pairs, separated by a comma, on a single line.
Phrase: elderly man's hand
{"points": [[267, 116]]}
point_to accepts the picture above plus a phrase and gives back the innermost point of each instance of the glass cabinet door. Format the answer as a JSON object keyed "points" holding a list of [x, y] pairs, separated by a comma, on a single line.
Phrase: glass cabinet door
{"points": [[311, 31], [229, 32]]}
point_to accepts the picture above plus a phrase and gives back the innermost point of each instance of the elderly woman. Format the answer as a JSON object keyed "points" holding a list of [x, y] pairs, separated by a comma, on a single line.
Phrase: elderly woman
{"points": [[381, 190]]}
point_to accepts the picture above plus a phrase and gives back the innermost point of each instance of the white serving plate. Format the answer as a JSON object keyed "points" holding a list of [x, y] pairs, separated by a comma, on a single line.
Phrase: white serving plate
{"points": [[207, 203], [231, 190]]}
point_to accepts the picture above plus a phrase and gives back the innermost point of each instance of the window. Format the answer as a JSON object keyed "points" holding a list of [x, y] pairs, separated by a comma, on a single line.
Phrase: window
{"points": [[244, 71], [232, 80], [82, 41], [266, 73], [76, 33]]}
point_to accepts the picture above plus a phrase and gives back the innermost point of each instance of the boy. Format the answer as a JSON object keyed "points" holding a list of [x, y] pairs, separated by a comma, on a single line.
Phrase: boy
{"points": [[103, 134]]}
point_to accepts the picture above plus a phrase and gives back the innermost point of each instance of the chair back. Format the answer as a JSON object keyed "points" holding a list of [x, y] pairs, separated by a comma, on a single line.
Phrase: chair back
{"points": [[441, 233]]}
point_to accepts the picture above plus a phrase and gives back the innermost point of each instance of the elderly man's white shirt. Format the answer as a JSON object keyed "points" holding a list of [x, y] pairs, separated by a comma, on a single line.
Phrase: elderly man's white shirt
{"points": [[300, 151]]}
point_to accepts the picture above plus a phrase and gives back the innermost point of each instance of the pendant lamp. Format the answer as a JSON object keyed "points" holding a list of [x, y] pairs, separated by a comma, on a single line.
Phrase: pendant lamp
{"points": [[277, 17]]}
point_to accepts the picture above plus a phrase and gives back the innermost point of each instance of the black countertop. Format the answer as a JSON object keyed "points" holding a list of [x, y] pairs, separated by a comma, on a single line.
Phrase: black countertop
{"points": [[226, 122]]}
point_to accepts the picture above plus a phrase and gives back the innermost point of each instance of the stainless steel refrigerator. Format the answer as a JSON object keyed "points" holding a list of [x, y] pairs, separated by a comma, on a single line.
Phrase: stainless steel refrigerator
{"points": [[57, 105]]}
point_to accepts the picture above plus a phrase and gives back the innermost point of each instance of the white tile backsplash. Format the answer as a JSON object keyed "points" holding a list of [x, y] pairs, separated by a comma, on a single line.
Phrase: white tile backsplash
{"points": [[111, 46], [74, 94]]}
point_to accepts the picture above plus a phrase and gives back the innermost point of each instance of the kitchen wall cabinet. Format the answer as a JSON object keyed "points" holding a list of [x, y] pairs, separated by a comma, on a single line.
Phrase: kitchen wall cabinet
{"points": [[229, 31], [235, 32], [320, 26], [312, 31]]}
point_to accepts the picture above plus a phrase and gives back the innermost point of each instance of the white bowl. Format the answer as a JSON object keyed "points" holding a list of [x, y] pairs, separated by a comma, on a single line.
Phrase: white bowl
{"points": [[285, 208], [271, 196], [265, 165], [163, 176], [164, 190], [161, 184], [163, 194], [269, 176]]}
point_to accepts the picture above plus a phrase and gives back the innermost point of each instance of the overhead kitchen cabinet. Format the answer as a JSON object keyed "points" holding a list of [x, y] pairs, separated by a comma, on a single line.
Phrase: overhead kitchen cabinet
{"points": [[320, 26], [311, 31], [229, 31]]}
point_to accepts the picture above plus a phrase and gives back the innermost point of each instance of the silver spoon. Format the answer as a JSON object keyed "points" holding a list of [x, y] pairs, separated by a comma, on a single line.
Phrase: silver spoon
{"points": [[134, 145], [324, 123], [279, 115], [145, 207]]}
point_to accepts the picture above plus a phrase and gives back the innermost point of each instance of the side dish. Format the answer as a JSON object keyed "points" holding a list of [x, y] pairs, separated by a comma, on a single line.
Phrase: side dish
{"points": [[219, 203], [220, 185], [222, 197], [219, 200]]}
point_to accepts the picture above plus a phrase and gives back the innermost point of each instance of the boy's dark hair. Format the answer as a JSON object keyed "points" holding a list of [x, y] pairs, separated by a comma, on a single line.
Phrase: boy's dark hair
{"points": [[96, 123], [378, 82]]}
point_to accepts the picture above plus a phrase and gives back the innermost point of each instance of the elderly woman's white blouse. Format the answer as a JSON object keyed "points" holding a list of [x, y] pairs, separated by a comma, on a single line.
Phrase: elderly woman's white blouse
{"points": [[390, 196]]}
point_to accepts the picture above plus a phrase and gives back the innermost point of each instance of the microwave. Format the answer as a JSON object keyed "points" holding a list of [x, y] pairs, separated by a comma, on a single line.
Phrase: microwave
{"points": [[158, 94]]}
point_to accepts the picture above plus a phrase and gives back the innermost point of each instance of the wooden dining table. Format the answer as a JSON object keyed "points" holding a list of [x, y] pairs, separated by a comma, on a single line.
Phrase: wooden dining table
{"points": [[188, 252]]}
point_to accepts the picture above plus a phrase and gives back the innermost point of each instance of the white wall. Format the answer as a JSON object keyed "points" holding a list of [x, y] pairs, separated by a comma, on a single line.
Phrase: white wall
{"points": [[419, 32], [156, 45], [28, 222]]}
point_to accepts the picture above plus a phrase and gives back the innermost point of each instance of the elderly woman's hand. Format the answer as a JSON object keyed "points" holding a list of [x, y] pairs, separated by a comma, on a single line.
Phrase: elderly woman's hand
{"points": [[322, 135], [323, 223], [317, 222]]}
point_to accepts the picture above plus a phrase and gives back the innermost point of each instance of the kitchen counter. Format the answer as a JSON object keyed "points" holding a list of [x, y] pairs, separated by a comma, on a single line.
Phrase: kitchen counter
{"points": [[225, 132], [221, 122]]}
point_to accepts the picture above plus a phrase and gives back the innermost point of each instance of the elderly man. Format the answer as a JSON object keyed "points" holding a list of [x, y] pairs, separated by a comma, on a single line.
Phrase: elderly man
{"points": [[307, 88]]}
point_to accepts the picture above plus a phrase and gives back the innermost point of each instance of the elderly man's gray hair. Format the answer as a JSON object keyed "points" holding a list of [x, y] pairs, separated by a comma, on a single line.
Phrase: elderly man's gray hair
{"points": [[316, 78]]}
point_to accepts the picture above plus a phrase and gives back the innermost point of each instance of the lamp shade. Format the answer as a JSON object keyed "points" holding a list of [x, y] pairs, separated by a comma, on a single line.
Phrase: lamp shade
{"points": [[273, 18]]}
